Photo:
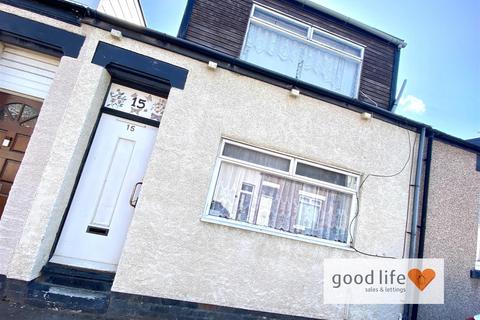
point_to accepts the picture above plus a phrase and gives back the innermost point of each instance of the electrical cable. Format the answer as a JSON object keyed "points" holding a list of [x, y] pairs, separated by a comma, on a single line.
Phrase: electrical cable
{"points": [[357, 211]]}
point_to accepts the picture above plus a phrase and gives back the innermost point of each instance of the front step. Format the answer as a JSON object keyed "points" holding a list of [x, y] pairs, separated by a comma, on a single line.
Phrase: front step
{"points": [[76, 277], [41, 294], [68, 288]]}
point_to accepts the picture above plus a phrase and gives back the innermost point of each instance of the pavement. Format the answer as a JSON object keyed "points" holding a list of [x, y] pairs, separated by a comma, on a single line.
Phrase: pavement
{"points": [[14, 311]]}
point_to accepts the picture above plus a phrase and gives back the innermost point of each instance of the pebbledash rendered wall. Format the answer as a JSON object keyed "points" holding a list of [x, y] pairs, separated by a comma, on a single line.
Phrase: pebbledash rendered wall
{"points": [[46, 176], [169, 251], [451, 229]]}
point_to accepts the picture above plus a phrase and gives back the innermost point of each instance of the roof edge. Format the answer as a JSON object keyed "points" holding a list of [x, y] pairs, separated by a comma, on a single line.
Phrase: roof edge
{"points": [[187, 15], [381, 34], [475, 141], [166, 41], [457, 142]]}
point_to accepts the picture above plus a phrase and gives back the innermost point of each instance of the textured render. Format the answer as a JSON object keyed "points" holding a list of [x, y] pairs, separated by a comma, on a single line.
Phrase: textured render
{"points": [[53, 158], [451, 230], [169, 252], [35, 161], [33, 165]]}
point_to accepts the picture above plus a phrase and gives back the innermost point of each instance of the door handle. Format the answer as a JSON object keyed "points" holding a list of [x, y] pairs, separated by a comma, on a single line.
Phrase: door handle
{"points": [[133, 199]]}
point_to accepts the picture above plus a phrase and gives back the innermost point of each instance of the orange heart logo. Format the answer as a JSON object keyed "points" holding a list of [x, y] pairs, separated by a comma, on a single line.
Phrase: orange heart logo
{"points": [[421, 278]]}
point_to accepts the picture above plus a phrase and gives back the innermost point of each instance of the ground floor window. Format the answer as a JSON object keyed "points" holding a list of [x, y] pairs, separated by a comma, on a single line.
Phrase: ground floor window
{"points": [[283, 193]]}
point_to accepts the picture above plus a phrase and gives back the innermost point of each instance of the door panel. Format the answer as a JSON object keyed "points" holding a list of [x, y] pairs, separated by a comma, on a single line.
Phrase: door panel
{"points": [[20, 143], [17, 120], [112, 186], [5, 187], [9, 170], [100, 211]]}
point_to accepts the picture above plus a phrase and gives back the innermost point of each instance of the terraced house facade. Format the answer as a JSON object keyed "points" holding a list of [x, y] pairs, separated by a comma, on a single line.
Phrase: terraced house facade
{"points": [[206, 175]]}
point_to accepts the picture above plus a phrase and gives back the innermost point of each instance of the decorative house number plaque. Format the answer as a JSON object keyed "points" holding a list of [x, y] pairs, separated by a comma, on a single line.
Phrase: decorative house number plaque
{"points": [[135, 102]]}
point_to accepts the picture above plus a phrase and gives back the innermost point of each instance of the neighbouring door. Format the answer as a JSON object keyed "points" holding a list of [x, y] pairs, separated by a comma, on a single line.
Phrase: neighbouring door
{"points": [[25, 79], [104, 200], [17, 120]]}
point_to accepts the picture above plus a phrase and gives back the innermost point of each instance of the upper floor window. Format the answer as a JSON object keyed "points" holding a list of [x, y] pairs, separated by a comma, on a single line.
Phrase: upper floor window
{"points": [[270, 192], [302, 51]]}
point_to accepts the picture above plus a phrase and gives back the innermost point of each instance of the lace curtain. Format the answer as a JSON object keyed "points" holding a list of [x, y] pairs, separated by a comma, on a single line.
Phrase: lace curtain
{"points": [[299, 59], [281, 203]]}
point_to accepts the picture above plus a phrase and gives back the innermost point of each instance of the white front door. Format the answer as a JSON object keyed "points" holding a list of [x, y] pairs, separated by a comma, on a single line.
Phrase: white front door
{"points": [[103, 204]]}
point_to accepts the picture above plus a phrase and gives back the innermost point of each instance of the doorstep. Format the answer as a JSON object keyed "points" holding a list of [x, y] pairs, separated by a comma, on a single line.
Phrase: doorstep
{"points": [[62, 292], [63, 288]]}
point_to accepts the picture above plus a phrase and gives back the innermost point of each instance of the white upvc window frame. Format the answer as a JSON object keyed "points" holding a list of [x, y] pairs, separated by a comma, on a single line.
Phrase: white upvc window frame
{"points": [[339, 39], [253, 165], [205, 217], [282, 17], [309, 39]]}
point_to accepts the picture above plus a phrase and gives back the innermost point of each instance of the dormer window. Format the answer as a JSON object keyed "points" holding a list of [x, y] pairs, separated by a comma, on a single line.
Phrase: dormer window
{"points": [[302, 51], [280, 22]]}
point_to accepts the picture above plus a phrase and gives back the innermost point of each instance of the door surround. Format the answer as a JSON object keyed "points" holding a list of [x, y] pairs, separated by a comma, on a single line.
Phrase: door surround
{"points": [[104, 110]]}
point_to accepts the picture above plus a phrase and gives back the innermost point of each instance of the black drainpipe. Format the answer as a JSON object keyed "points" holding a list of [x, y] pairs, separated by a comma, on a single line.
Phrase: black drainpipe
{"points": [[412, 252], [423, 221], [426, 181]]}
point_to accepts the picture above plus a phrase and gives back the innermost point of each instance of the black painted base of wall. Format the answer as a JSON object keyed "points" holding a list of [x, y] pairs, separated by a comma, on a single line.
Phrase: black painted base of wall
{"points": [[78, 295], [3, 279]]}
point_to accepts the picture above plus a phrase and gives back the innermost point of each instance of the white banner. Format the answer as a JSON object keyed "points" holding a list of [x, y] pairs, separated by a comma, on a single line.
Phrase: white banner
{"points": [[383, 281]]}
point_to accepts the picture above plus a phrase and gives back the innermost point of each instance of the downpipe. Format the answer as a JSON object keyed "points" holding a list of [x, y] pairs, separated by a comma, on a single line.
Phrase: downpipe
{"points": [[412, 252]]}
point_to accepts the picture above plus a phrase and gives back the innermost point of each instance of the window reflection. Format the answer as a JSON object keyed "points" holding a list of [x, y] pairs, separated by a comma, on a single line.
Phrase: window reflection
{"points": [[263, 199]]}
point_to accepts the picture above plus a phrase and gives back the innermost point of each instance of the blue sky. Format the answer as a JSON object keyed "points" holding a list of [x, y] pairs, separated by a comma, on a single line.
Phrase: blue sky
{"points": [[441, 60]]}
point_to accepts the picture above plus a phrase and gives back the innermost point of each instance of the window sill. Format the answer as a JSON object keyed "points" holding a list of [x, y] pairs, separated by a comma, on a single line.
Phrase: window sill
{"points": [[273, 232], [475, 274]]}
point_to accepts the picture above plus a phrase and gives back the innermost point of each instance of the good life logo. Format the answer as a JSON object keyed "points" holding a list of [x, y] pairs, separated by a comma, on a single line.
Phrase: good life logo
{"points": [[383, 281]]}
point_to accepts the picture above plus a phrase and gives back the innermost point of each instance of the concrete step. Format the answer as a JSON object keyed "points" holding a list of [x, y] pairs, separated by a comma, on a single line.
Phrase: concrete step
{"points": [[76, 282], [77, 277], [68, 288]]}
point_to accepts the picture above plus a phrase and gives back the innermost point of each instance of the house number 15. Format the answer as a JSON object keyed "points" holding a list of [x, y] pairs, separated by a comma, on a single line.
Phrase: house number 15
{"points": [[140, 104]]}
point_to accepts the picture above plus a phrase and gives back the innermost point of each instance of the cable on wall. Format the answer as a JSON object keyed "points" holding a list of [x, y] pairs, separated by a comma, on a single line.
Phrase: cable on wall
{"points": [[357, 211]]}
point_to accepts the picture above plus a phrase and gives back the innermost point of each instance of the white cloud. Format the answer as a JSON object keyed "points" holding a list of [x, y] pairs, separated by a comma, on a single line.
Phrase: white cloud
{"points": [[411, 104]]}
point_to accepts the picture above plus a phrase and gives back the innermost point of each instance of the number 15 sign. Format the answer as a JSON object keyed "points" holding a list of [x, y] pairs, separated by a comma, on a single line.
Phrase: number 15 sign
{"points": [[135, 102]]}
